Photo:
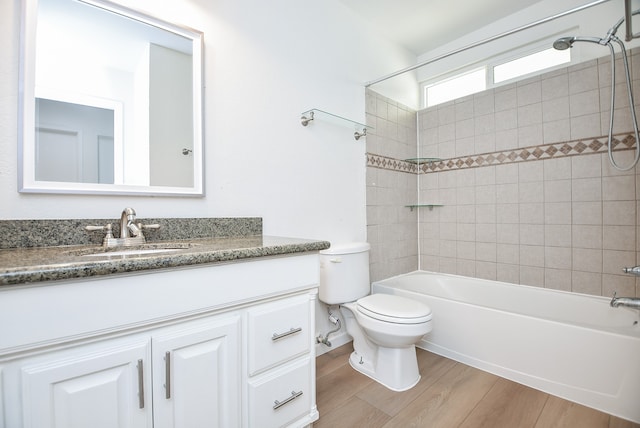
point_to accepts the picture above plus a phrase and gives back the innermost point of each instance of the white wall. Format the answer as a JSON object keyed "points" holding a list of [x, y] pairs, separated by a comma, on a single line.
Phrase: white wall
{"points": [[265, 63]]}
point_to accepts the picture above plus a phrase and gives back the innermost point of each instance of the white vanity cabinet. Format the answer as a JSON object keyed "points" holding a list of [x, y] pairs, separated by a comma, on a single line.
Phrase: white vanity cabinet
{"points": [[218, 346]]}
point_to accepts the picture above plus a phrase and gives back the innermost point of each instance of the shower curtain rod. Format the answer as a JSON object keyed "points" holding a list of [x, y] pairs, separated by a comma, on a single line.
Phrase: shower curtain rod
{"points": [[482, 42]]}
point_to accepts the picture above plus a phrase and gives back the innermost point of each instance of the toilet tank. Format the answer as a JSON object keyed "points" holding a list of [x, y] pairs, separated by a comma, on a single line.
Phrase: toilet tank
{"points": [[344, 273]]}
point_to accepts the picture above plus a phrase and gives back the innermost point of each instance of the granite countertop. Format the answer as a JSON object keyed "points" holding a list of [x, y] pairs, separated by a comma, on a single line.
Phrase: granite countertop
{"points": [[31, 265]]}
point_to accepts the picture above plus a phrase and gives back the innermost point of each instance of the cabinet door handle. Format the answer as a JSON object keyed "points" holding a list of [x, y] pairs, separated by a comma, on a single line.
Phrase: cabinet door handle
{"points": [[291, 331], [167, 375], [289, 399], [140, 384]]}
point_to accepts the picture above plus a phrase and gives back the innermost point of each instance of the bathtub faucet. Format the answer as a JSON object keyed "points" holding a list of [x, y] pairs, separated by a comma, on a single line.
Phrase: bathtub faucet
{"points": [[630, 302], [632, 270]]}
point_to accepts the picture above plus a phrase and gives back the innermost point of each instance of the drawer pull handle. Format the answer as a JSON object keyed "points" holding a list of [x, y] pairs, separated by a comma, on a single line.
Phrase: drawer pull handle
{"points": [[291, 331], [167, 375], [293, 396], [140, 384]]}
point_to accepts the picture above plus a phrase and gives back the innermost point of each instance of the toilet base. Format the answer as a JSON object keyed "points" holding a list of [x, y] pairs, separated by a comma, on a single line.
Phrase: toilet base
{"points": [[394, 368]]}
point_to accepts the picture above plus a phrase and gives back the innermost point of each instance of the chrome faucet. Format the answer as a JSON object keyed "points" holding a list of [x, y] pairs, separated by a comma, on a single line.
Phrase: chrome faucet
{"points": [[629, 302], [130, 232], [127, 224]]}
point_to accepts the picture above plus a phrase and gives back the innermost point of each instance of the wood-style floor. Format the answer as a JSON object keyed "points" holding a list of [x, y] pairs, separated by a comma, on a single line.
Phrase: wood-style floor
{"points": [[449, 394]]}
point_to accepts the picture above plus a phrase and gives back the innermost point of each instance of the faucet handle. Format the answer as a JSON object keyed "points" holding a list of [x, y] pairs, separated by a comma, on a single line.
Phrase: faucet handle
{"points": [[106, 227], [148, 226]]}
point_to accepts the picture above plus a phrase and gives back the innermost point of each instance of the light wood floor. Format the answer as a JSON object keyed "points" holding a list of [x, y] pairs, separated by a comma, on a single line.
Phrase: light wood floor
{"points": [[449, 394]]}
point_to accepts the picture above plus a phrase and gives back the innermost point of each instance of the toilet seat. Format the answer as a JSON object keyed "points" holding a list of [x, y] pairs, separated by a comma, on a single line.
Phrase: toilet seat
{"points": [[394, 309]]}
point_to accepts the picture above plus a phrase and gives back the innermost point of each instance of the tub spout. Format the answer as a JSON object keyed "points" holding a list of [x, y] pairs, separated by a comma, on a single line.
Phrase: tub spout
{"points": [[629, 302], [632, 270]]}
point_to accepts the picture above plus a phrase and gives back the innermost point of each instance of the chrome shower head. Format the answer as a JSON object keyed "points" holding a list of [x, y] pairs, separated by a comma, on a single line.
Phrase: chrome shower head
{"points": [[563, 43]]}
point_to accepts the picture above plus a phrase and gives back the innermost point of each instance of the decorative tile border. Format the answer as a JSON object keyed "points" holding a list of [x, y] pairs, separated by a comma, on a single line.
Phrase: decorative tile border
{"points": [[525, 154], [384, 162]]}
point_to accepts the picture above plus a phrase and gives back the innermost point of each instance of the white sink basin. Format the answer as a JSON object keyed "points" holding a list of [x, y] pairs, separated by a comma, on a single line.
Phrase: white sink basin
{"points": [[149, 248], [131, 252]]}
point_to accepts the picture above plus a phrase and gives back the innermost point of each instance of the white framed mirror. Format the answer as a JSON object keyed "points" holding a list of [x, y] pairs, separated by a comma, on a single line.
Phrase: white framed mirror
{"points": [[111, 101]]}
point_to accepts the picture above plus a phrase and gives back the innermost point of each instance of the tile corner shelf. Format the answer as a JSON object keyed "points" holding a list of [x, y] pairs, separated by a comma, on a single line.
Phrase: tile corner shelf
{"points": [[309, 115], [430, 206], [421, 161]]}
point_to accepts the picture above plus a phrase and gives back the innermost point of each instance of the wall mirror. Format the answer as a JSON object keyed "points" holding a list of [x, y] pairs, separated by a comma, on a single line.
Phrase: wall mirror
{"points": [[111, 101]]}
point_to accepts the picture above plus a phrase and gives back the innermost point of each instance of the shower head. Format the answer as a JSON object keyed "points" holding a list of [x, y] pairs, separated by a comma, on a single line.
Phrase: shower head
{"points": [[564, 43]]}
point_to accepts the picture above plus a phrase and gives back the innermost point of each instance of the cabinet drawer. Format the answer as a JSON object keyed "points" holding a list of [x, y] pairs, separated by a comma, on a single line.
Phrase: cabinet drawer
{"points": [[277, 332], [281, 396]]}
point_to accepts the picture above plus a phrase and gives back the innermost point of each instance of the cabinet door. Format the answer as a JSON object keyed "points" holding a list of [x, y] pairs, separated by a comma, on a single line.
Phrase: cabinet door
{"points": [[197, 374], [99, 386]]}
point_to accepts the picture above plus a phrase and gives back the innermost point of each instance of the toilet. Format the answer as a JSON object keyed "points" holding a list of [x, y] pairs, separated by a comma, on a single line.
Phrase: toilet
{"points": [[384, 327]]}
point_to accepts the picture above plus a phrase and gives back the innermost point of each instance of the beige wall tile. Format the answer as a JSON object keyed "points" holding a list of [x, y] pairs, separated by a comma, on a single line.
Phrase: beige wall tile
{"points": [[557, 190], [586, 282], [507, 193], [557, 235], [556, 131], [486, 270], [508, 234], [619, 213], [614, 260], [586, 189], [623, 285], [586, 236], [586, 166], [486, 251], [557, 279], [509, 213], [587, 212], [619, 238], [557, 169], [533, 276], [508, 273], [555, 87], [587, 260], [557, 213], [558, 258], [619, 188], [532, 255]]}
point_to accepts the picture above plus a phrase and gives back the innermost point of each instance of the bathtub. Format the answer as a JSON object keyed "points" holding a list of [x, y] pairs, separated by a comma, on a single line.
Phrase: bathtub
{"points": [[570, 345]]}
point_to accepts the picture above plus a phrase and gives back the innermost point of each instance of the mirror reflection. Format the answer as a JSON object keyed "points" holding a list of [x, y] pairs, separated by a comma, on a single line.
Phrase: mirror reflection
{"points": [[112, 101]]}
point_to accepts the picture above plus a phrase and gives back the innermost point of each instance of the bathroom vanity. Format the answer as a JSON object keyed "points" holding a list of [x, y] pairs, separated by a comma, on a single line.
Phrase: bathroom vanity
{"points": [[220, 333]]}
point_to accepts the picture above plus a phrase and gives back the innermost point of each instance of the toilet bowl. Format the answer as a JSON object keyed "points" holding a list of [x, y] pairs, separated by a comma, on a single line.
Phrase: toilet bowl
{"points": [[384, 339], [384, 327]]}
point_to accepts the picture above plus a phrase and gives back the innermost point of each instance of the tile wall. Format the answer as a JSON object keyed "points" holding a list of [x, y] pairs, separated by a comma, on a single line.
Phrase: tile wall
{"points": [[528, 195], [392, 229]]}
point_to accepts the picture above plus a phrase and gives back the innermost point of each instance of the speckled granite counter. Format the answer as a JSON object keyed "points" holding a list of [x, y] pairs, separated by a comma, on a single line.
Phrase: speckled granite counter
{"points": [[30, 265]]}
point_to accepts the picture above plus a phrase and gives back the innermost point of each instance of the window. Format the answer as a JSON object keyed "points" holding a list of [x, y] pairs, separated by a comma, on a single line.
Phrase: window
{"points": [[456, 87], [530, 64], [495, 70]]}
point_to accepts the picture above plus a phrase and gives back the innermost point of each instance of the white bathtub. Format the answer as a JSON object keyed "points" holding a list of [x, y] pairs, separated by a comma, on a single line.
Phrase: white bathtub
{"points": [[570, 345]]}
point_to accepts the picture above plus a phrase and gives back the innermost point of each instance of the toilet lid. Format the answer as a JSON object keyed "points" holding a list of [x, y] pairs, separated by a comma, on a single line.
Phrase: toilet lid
{"points": [[395, 309]]}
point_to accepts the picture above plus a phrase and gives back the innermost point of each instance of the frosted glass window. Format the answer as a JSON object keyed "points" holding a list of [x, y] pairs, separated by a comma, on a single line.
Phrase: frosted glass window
{"points": [[456, 87], [530, 64]]}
